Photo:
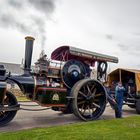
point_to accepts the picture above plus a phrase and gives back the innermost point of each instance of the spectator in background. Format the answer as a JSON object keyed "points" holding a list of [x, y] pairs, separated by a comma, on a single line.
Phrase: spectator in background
{"points": [[131, 86], [119, 92]]}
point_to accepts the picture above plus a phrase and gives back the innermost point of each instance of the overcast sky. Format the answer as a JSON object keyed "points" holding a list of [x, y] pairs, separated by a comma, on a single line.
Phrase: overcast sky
{"points": [[106, 26]]}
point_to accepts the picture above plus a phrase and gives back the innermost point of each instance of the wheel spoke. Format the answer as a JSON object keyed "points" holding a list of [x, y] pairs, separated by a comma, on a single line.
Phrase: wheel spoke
{"points": [[82, 94], [89, 91], [80, 98], [96, 105], [1, 114], [93, 94], [92, 87], [96, 100], [99, 94], [82, 102]]}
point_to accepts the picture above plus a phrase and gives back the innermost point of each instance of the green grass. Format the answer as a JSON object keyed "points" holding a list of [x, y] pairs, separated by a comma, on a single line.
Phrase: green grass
{"points": [[116, 129], [22, 99]]}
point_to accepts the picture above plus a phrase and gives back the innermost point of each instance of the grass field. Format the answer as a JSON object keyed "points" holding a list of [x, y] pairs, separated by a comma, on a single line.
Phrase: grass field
{"points": [[116, 129]]}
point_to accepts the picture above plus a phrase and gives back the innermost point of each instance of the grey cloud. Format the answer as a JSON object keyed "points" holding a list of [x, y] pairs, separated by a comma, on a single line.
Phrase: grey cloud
{"points": [[15, 3], [109, 36], [8, 20], [18, 15], [45, 6], [137, 34], [123, 47], [132, 49]]}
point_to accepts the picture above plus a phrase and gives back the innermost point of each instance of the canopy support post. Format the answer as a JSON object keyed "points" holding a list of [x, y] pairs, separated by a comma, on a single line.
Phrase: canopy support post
{"points": [[120, 76]]}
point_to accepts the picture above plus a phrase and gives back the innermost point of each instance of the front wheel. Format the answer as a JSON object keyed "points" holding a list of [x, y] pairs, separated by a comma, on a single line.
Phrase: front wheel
{"points": [[89, 99], [7, 116]]}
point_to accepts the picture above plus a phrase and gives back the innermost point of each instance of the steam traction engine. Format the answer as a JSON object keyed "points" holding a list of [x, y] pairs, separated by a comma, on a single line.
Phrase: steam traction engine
{"points": [[64, 83]]}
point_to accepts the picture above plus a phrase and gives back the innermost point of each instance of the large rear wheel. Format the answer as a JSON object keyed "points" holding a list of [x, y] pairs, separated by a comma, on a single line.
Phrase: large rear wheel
{"points": [[7, 116], [89, 99]]}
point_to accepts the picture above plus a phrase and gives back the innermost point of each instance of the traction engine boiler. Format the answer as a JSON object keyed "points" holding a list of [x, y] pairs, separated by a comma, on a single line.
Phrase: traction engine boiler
{"points": [[63, 83]]}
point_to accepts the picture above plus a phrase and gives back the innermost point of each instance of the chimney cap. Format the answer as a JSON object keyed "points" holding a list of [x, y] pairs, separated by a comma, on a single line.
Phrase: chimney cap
{"points": [[29, 38]]}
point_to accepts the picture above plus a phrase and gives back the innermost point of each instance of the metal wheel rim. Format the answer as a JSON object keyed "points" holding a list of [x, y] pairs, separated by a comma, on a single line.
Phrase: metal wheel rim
{"points": [[90, 108]]}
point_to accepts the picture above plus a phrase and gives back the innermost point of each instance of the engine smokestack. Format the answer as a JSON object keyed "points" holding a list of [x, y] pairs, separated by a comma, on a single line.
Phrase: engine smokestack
{"points": [[28, 54]]}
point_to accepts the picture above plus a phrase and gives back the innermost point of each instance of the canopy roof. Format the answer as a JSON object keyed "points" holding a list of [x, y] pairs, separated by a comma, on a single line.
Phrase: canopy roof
{"points": [[123, 69], [65, 53]]}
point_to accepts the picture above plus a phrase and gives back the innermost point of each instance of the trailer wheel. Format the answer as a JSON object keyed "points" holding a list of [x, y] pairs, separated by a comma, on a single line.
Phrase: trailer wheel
{"points": [[89, 99], [7, 116], [138, 106]]}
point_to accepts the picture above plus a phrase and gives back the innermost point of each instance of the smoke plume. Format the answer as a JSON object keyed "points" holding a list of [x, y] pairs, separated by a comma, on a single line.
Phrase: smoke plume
{"points": [[27, 16]]}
